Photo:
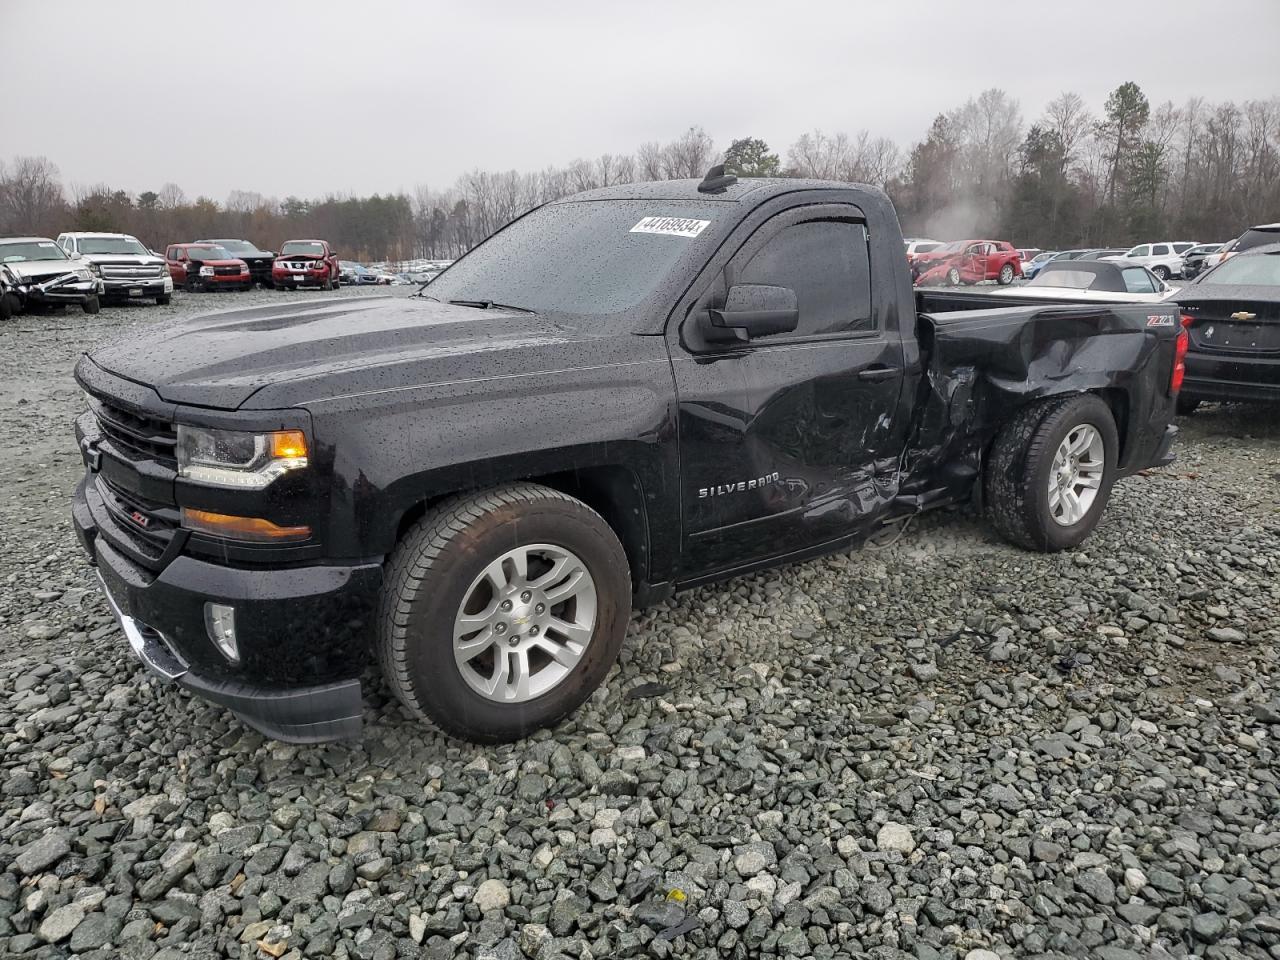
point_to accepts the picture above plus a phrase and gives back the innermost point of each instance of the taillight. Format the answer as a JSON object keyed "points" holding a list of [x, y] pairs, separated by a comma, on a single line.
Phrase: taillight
{"points": [[1180, 355]]}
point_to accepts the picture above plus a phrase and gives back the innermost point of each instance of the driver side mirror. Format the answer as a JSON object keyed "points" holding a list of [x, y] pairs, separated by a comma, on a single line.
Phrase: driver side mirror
{"points": [[753, 310]]}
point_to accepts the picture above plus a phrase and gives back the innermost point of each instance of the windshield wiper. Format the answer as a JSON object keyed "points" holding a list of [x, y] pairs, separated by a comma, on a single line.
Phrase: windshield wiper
{"points": [[487, 304]]}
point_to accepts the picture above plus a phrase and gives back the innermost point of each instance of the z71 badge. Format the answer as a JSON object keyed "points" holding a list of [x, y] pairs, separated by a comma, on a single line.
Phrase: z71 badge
{"points": [[740, 486], [1163, 320]]}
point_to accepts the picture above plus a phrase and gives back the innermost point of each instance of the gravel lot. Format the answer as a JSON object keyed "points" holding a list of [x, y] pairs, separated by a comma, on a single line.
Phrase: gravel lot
{"points": [[947, 748]]}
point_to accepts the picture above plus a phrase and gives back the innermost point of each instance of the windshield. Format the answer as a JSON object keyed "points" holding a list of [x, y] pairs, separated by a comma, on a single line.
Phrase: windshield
{"points": [[927, 247], [583, 257], [1042, 257], [30, 250], [303, 248], [955, 246], [237, 246], [1262, 269], [208, 253], [107, 245]]}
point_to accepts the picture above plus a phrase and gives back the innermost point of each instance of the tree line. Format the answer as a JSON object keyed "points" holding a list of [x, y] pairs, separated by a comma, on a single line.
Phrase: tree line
{"points": [[1070, 177]]}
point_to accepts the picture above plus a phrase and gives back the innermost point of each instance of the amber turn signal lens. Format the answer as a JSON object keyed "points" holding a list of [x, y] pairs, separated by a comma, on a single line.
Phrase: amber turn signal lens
{"points": [[250, 529], [288, 445]]}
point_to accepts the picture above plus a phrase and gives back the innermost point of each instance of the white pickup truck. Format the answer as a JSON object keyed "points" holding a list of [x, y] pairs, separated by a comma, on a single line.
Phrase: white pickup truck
{"points": [[129, 270]]}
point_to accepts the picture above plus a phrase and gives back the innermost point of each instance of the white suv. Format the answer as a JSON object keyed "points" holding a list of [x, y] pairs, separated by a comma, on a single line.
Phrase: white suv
{"points": [[129, 270], [1164, 259]]}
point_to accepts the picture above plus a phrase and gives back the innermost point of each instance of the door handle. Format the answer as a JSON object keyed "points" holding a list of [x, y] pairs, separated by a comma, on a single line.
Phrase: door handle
{"points": [[878, 373]]}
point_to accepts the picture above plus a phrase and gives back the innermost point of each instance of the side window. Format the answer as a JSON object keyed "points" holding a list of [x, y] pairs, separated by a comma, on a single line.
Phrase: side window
{"points": [[1160, 250], [1137, 280], [171, 253], [825, 262]]}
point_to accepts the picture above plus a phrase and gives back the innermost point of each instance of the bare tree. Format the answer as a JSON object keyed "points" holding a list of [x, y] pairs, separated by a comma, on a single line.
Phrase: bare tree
{"points": [[171, 196], [690, 156], [31, 197], [1069, 118], [649, 158]]}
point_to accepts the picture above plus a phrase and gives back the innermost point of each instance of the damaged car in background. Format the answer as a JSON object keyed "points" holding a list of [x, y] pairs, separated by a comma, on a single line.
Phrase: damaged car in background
{"points": [[44, 277], [624, 393]]}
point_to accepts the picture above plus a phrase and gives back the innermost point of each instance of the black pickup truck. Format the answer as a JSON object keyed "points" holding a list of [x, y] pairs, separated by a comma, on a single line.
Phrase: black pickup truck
{"points": [[621, 394]]}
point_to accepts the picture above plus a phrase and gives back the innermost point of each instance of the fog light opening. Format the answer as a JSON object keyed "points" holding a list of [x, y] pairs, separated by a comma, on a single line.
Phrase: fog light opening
{"points": [[220, 622]]}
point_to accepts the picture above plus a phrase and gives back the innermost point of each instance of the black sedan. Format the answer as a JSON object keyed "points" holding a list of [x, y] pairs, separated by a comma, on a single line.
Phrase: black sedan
{"points": [[1233, 316], [259, 261]]}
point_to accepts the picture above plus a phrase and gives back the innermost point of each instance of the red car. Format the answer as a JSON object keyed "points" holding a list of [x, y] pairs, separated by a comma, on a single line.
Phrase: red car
{"points": [[969, 261], [206, 266], [302, 263]]}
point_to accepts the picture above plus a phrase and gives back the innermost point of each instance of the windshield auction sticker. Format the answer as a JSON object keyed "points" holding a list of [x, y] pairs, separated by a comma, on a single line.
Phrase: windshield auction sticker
{"points": [[671, 226]]}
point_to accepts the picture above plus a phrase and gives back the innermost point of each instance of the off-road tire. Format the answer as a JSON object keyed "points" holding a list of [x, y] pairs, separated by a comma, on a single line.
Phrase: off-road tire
{"points": [[432, 568], [1016, 478], [1187, 405], [1006, 275], [163, 300], [91, 306]]}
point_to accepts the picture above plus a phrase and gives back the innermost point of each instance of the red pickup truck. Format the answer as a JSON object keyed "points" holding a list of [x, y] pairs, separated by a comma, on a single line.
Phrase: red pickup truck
{"points": [[303, 263], [969, 261]]}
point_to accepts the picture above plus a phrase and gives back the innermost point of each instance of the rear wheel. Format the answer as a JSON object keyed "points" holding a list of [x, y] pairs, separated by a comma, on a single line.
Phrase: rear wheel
{"points": [[1006, 275], [953, 276], [1161, 271], [1050, 472], [1187, 405], [503, 611]]}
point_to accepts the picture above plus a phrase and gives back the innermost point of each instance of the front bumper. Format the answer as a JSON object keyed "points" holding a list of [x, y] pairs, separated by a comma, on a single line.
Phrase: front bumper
{"points": [[72, 291], [126, 287], [300, 630], [299, 277]]}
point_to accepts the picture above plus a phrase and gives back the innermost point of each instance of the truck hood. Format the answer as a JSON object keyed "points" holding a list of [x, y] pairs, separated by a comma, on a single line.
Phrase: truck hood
{"points": [[43, 269], [124, 259], [289, 353]]}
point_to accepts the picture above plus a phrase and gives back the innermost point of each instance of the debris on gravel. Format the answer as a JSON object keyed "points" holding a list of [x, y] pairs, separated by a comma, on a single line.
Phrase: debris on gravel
{"points": [[949, 749]]}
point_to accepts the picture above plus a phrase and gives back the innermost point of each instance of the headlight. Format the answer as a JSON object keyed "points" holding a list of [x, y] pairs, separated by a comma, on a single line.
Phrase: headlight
{"points": [[244, 268], [84, 273], [229, 458], [206, 271]]}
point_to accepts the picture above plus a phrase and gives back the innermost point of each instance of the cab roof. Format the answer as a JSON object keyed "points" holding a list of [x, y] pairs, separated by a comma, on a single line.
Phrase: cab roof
{"points": [[755, 189]]}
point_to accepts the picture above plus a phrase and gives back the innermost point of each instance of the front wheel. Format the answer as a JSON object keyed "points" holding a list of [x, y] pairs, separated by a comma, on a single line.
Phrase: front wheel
{"points": [[1162, 272], [163, 300], [953, 276], [503, 611], [91, 306], [1050, 471], [1006, 275], [327, 286]]}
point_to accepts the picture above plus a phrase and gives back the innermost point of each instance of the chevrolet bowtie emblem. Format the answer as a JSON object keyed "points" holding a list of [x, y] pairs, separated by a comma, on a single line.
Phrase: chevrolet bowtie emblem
{"points": [[1244, 315]]}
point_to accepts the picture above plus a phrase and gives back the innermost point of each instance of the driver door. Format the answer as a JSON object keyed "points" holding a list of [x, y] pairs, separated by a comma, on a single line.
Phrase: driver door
{"points": [[789, 441]]}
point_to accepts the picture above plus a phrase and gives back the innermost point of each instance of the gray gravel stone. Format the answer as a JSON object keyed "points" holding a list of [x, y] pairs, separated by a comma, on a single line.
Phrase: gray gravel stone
{"points": [[1049, 730]]}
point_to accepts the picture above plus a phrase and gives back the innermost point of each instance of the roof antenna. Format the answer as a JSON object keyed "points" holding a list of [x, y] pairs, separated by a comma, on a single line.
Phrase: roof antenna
{"points": [[716, 180]]}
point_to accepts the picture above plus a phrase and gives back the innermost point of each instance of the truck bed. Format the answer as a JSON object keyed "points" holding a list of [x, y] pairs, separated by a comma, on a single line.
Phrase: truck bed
{"points": [[980, 361]]}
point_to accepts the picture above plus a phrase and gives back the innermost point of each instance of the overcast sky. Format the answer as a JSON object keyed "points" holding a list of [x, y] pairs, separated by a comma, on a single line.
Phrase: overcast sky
{"points": [[307, 98]]}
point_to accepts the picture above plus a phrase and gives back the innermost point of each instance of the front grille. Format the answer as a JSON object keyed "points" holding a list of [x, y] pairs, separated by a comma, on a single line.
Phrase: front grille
{"points": [[226, 271], [121, 271], [299, 264], [149, 526], [135, 434]]}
